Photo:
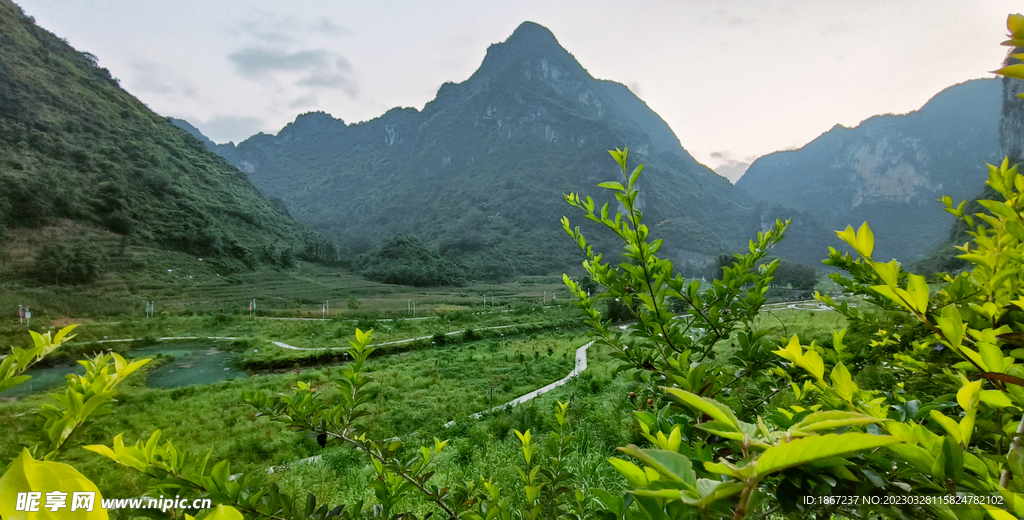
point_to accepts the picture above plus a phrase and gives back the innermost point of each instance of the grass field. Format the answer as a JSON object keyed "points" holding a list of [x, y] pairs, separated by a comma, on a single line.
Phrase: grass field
{"points": [[180, 284], [516, 345], [415, 392]]}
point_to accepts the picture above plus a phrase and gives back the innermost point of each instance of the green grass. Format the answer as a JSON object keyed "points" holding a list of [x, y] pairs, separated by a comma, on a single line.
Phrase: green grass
{"points": [[416, 391], [181, 285]]}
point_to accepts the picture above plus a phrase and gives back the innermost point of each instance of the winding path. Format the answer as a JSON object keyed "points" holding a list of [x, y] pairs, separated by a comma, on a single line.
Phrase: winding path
{"points": [[581, 365], [395, 342]]}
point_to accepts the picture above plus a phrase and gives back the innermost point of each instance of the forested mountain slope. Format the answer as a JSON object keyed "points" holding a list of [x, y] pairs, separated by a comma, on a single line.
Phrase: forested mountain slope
{"points": [[890, 169], [76, 147]]}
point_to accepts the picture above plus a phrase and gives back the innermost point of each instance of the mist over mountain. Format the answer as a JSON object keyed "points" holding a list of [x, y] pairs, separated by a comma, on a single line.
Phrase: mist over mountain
{"points": [[479, 173], [77, 149], [889, 170]]}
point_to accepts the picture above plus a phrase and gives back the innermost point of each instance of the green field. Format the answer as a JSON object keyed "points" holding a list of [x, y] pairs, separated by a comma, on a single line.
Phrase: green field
{"points": [[416, 393], [180, 284], [455, 358]]}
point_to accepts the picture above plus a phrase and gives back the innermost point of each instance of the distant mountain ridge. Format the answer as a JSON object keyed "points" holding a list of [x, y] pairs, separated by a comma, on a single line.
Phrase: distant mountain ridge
{"points": [[479, 173], [890, 169], [76, 147]]}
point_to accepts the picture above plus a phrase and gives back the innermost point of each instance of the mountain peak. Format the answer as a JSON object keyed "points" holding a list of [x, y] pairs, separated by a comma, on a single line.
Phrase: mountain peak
{"points": [[530, 40], [530, 33]]}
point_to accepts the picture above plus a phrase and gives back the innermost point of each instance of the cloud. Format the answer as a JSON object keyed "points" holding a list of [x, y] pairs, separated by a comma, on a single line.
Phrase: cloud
{"points": [[317, 68], [151, 77], [271, 27], [258, 63], [325, 25], [339, 78], [221, 129], [304, 101], [259, 31], [730, 167]]}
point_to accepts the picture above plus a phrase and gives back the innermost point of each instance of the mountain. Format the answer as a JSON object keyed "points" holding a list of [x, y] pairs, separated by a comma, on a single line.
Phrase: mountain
{"points": [[77, 150], [1011, 126], [890, 169], [479, 173]]}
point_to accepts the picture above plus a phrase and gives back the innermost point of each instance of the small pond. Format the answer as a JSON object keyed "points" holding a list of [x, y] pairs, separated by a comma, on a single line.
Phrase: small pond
{"points": [[196, 362], [43, 379]]}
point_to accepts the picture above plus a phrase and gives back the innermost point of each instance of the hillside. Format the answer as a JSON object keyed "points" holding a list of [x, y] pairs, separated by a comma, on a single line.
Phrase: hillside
{"points": [[479, 173], [75, 147], [890, 169]]}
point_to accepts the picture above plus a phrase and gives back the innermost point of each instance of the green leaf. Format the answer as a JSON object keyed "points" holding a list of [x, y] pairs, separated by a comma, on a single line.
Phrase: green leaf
{"points": [[26, 474], [725, 468], [13, 382], [889, 272], [996, 513], [814, 365], [807, 449], [952, 326], [917, 456], [948, 424], [635, 175], [865, 241], [632, 472], [968, 395], [670, 464], [711, 491], [223, 512], [995, 399], [721, 429], [842, 382], [608, 501], [612, 185], [832, 419], [220, 474], [715, 409], [991, 356], [951, 457], [918, 289]]}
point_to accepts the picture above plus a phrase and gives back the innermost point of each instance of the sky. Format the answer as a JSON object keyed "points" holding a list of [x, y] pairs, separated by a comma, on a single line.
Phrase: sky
{"points": [[733, 79]]}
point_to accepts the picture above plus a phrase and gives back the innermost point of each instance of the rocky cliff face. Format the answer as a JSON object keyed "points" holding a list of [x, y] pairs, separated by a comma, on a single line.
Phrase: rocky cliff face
{"points": [[481, 170], [890, 169], [1011, 126]]}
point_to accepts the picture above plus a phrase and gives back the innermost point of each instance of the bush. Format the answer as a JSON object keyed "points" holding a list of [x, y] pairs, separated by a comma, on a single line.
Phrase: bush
{"points": [[406, 260], [79, 262]]}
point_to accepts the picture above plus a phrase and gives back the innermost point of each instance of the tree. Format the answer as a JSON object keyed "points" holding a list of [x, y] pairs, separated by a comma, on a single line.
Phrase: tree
{"points": [[799, 276], [78, 262]]}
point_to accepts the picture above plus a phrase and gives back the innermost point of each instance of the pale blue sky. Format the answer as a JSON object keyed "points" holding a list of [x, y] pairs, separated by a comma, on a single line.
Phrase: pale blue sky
{"points": [[734, 79]]}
